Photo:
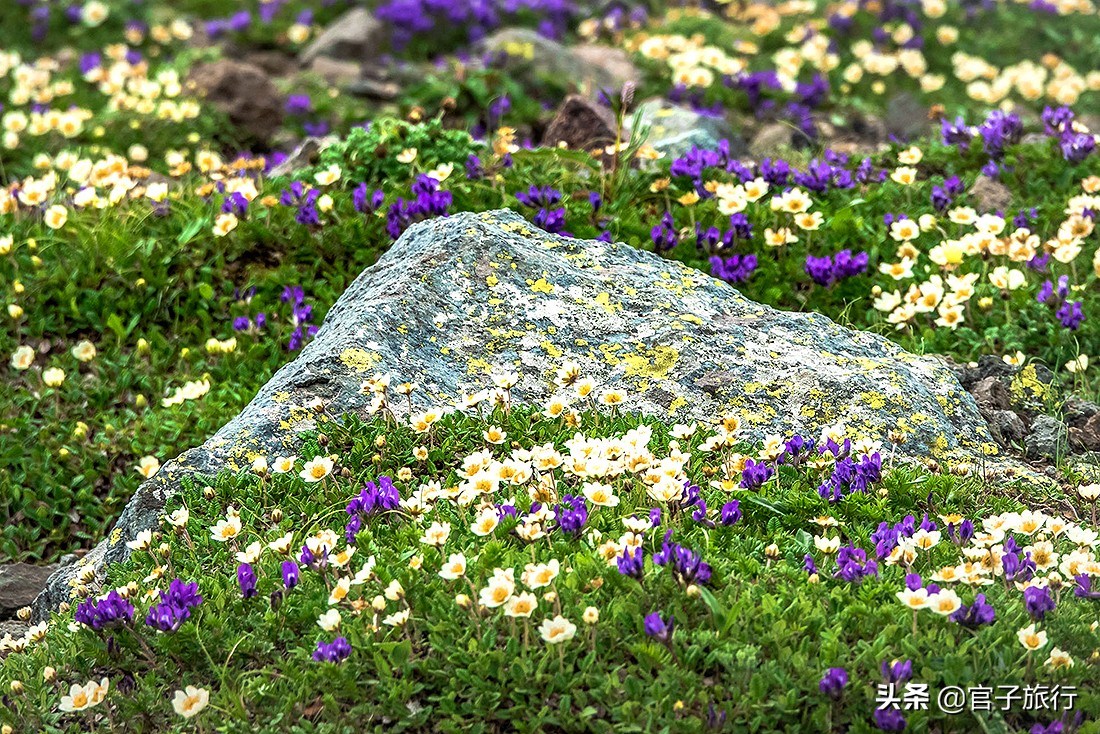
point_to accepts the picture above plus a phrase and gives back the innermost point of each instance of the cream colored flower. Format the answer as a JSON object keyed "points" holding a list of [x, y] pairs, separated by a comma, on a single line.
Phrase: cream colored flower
{"points": [[148, 466], [557, 630], [1031, 639], [22, 358], [84, 351], [190, 701], [317, 469], [454, 568], [53, 377]]}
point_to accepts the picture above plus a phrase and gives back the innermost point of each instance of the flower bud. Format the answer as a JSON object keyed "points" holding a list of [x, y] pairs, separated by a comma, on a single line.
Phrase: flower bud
{"points": [[23, 614], [772, 552], [693, 591], [48, 673], [276, 515], [17, 687], [463, 601]]}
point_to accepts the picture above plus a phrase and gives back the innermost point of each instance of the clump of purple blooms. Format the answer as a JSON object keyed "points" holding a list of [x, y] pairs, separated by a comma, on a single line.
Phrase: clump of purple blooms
{"points": [[372, 500], [301, 313], [1068, 312], [336, 651], [108, 612], [544, 198], [687, 565], [827, 271], [428, 202], [174, 607], [571, 514]]}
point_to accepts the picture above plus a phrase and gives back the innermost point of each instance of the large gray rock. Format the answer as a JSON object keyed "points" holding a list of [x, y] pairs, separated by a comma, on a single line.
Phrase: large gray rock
{"points": [[19, 585], [455, 297], [356, 36], [534, 59], [675, 130]]}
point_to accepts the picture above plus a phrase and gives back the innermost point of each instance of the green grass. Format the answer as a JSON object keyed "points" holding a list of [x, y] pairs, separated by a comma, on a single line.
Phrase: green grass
{"points": [[752, 642]]}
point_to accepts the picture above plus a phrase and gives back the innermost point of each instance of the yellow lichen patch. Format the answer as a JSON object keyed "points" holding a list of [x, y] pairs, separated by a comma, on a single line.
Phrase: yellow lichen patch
{"points": [[491, 280], [478, 364], [281, 397], [656, 364], [603, 300], [116, 535], [551, 348], [939, 445], [676, 405], [808, 411], [402, 329], [691, 318], [541, 286], [608, 353], [1026, 384], [875, 400], [359, 360]]}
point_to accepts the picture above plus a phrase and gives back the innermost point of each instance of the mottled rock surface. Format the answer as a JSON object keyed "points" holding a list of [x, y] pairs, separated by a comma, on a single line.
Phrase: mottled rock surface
{"points": [[19, 585], [675, 130], [355, 36], [582, 124], [245, 93], [458, 296], [533, 59]]}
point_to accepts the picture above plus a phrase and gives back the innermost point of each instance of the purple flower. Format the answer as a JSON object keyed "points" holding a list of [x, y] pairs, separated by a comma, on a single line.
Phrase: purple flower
{"points": [[664, 235], [897, 671], [111, 611], [976, 614], [298, 104], [853, 565], [632, 565], [808, 564], [833, 682], [290, 574], [174, 607], [332, 652], [1071, 315], [734, 269], [889, 719], [1038, 602], [731, 512], [658, 629], [755, 474], [246, 578]]}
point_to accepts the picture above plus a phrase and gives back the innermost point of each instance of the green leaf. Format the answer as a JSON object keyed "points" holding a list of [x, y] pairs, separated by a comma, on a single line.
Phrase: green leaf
{"points": [[206, 291]]}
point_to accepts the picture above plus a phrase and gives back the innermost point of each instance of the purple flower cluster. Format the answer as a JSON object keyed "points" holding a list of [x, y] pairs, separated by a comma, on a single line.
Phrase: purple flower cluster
{"points": [[544, 198], [571, 514], [828, 270], [977, 614], [632, 564], [1075, 146], [174, 607], [306, 201], [111, 611], [336, 651], [412, 19], [429, 202], [944, 196], [733, 269], [687, 565], [849, 476], [373, 499], [853, 564], [301, 313], [362, 204], [755, 474], [1068, 312], [833, 682], [664, 235]]}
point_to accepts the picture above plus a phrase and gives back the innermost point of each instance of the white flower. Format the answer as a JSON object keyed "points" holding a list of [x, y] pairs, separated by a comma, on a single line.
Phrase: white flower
{"points": [[317, 469], [142, 541], [190, 701], [226, 529], [557, 630], [330, 620]]}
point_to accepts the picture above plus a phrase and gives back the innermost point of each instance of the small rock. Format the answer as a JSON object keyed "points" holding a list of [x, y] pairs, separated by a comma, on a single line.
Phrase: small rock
{"points": [[615, 61], [274, 63], [582, 124], [245, 93], [775, 139], [991, 394], [1088, 435], [1078, 410], [906, 118], [303, 156], [1048, 439], [355, 36], [336, 72], [533, 59], [374, 88], [990, 195], [20, 584], [675, 130], [1007, 427]]}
